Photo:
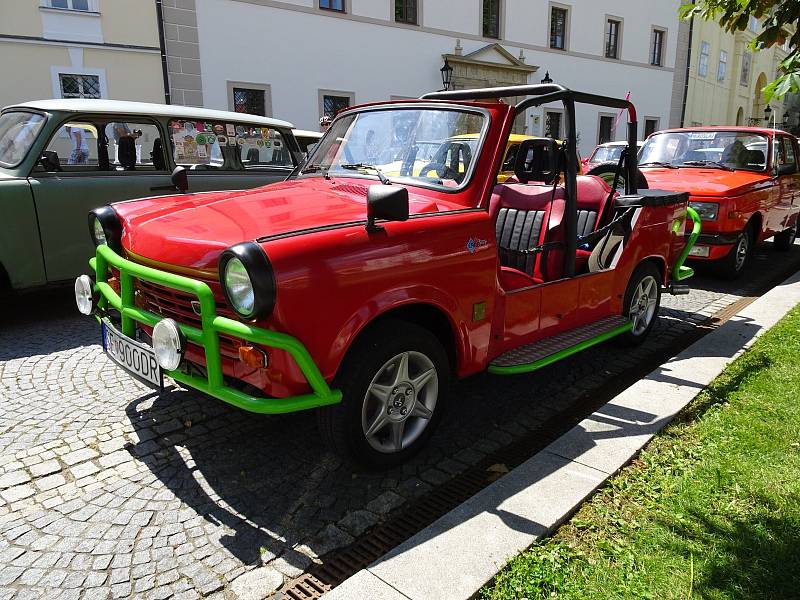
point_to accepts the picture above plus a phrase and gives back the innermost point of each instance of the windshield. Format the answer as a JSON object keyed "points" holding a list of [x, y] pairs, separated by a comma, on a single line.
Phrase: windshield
{"points": [[431, 147], [18, 131], [734, 150], [607, 153]]}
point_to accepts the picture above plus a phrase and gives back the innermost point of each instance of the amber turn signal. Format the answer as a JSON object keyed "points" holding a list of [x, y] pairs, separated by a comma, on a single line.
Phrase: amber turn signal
{"points": [[734, 214], [253, 357]]}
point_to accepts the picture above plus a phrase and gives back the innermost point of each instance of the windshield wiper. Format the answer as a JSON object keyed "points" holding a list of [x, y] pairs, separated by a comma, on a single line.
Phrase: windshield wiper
{"points": [[657, 163], [356, 166], [708, 163], [315, 169]]}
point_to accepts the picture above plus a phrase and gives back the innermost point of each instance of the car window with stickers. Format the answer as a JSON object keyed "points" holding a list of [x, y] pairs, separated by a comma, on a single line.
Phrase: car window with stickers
{"points": [[217, 146]]}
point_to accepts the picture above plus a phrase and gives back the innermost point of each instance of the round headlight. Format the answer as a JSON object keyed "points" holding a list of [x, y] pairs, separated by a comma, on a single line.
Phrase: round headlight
{"points": [[98, 234], [84, 294], [239, 287], [248, 281], [106, 228], [168, 343]]}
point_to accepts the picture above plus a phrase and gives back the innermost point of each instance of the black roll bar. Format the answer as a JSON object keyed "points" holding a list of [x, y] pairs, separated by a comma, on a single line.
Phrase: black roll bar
{"points": [[539, 94]]}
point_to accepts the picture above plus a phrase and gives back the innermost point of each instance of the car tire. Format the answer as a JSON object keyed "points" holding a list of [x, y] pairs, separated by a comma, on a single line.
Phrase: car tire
{"points": [[785, 239], [733, 265], [607, 170], [641, 303], [387, 415]]}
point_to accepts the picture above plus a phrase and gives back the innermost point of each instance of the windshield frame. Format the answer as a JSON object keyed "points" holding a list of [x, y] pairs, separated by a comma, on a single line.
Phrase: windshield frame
{"points": [[410, 105], [45, 118], [768, 159]]}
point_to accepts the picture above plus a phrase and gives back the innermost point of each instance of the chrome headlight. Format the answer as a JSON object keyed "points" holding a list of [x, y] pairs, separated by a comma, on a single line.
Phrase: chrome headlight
{"points": [[106, 228], [708, 211], [168, 344], [247, 280], [84, 295]]}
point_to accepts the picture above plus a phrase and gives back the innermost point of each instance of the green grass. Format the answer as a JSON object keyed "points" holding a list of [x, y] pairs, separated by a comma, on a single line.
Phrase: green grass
{"points": [[710, 509]]}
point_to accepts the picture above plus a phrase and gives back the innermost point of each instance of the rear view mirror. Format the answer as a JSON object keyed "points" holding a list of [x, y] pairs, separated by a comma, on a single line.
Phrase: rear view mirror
{"points": [[180, 180], [786, 169], [537, 160], [387, 202], [49, 160]]}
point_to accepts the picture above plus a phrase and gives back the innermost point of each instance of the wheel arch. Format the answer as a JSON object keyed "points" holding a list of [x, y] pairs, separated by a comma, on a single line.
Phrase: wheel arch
{"points": [[427, 315], [756, 222]]}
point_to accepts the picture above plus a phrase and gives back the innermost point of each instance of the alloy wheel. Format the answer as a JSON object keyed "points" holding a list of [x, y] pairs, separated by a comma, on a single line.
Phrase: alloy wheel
{"points": [[400, 402], [643, 304], [742, 250]]}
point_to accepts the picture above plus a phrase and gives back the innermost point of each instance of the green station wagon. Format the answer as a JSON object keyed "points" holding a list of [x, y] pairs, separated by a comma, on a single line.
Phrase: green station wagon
{"points": [[61, 158]]}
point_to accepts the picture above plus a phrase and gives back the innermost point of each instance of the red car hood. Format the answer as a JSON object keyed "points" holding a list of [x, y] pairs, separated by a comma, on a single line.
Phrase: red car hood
{"points": [[192, 230], [703, 182]]}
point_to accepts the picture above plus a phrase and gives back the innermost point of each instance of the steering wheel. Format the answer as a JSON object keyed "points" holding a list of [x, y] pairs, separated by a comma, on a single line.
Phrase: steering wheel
{"points": [[442, 170]]}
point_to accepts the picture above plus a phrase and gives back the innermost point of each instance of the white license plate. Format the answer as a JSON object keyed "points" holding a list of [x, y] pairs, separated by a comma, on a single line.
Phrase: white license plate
{"points": [[137, 359], [701, 251]]}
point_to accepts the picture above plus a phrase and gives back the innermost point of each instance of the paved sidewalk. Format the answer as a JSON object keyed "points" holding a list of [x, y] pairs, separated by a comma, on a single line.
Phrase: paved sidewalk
{"points": [[459, 553]]}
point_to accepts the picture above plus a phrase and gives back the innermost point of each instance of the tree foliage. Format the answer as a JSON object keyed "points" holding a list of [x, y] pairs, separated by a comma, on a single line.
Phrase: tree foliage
{"points": [[779, 20]]}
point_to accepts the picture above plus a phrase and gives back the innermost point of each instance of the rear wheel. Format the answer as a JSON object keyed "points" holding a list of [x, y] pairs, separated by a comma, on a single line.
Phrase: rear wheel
{"points": [[394, 382], [642, 299], [732, 266], [785, 239]]}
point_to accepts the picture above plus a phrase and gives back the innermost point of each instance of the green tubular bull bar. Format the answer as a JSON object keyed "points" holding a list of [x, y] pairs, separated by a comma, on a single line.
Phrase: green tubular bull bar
{"points": [[208, 336], [680, 272]]}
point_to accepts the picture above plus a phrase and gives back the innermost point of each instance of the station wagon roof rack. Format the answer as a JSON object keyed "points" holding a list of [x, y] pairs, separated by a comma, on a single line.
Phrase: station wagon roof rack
{"points": [[91, 105]]}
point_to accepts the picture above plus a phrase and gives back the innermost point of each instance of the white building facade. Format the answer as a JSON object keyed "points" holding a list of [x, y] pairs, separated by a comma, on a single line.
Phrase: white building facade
{"points": [[300, 59]]}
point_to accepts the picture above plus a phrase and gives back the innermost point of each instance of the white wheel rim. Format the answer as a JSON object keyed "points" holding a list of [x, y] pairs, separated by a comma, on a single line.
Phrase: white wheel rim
{"points": [[643, 304], [741, 251], [399, 402]]}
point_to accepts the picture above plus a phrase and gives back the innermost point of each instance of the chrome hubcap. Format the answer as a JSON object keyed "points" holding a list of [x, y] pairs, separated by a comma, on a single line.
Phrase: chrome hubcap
{"points": [[741, 251], [643, 304], [399, 402]]}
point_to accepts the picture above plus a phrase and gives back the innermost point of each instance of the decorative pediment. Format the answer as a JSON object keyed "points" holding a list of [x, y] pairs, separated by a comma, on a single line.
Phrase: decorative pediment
{"points": [[493, 55]]}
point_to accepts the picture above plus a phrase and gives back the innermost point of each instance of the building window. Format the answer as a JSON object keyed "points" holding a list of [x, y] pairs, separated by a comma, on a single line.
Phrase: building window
{"points": [[702, 67], [552, 124], [606, 130], [753, 24], [79, 86], [745, 78], [491, 18], [613, 30], [650, 127], [249, 101], [69, 4], [558, 28], [657, 51], [333, 104], [722, 68], [337, 5], [405, 11]]}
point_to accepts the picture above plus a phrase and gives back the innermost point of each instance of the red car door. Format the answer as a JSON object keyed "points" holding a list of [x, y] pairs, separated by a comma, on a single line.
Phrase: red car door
{"points": [[789, 178]]}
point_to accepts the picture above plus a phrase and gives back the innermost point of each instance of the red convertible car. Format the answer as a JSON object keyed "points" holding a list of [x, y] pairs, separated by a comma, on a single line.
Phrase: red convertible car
{"points": [[363, 294], [744, 183]]}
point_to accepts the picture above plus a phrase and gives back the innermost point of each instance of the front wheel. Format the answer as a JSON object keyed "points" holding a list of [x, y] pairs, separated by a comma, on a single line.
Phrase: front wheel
{"points": [[732, 266], [642, 299], [394, 382]]}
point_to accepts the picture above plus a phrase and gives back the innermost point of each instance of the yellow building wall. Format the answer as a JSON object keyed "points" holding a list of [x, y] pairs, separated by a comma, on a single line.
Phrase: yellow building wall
{"points": [[131, 22], [713, 102], [130, 75], [20, 18]]}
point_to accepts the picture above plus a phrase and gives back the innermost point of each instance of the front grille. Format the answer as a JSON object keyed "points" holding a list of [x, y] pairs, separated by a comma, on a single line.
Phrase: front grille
{"points": [[177, 305]]}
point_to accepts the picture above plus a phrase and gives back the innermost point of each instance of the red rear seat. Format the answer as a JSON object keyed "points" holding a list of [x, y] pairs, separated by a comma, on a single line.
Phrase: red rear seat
{"points": [[526, 216]]}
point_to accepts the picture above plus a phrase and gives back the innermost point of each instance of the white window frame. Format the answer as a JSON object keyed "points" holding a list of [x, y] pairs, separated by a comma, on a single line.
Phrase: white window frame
{"points": [[722, 66], [644, 125], [613, 117], [567, 23], [93, 6], [559, 134], [702, 65], [249, 85], [744, 75], [501, 13], [620, 29], [56, 72], [340, 93]]}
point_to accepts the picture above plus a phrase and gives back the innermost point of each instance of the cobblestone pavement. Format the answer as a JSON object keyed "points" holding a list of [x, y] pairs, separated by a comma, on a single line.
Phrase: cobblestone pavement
{"points": [[107, 490]]}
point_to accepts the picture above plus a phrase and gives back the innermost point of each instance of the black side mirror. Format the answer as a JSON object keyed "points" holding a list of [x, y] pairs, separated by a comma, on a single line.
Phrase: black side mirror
{"points": [[787, 169], [537, 160], [49, 160], [180, 179], [387, 202]]}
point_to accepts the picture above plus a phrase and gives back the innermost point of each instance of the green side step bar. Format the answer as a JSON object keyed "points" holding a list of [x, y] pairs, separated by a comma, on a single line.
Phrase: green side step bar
{"points": [[207, 336]]}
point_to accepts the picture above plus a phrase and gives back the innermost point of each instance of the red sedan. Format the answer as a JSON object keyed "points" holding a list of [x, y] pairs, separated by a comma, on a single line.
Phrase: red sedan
{"points": [[743, 181]]}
